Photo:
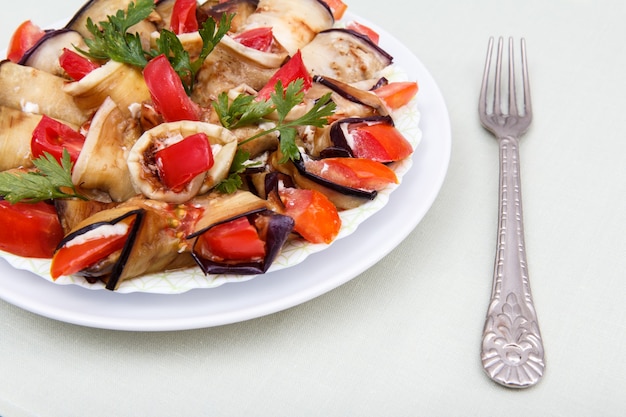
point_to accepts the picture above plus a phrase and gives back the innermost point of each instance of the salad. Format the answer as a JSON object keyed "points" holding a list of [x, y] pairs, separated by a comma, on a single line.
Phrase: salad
{"points": [[155, 136]]}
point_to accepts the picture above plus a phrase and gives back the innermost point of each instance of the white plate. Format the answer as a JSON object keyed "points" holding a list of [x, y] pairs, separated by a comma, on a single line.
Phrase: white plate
{"points": [[280, 289]]}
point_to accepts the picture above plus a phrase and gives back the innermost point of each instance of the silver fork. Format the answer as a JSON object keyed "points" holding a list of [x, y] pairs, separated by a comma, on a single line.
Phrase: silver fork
{"points": [[512, 349]]}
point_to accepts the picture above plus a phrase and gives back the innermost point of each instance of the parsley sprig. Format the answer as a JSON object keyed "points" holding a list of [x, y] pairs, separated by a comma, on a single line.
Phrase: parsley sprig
{"points": [[246, 110], [233, 182], [50, 180], [111, 40], [211, 34]]}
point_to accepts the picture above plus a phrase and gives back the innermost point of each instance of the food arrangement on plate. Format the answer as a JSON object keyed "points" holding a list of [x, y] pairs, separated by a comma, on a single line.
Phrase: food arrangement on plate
{"points": [[194, 141]]}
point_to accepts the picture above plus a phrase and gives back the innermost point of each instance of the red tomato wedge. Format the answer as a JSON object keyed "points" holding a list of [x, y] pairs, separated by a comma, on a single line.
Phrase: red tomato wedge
{"points": [[360, 173], [76, 65], [236, 240], [316, 217], [397, 94], [291, 71], [167, 91], [364, 30], [379, 142], [72, 259], [52, 136], [25, 37], [337, 7], [29, 230], [182, 161], [258, 38], [184, 17]]}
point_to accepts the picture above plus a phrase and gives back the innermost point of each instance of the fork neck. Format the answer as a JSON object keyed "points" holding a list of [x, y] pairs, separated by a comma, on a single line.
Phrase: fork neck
{"points": [[508, 138]]}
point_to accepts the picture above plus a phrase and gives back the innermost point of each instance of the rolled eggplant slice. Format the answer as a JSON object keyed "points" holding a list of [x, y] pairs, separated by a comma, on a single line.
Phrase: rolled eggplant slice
{"points": [[44, 55], [341, 137], [273, 230], [231, 65], [101, 165], [152, 242], [144, 172], [240, 8], [35, 91], [344, 55], [164, 8], [16, 131], [99, 10], [294, 23], [73, 211], [122, 82], [218, 209], [351, 101], [341, 196]]}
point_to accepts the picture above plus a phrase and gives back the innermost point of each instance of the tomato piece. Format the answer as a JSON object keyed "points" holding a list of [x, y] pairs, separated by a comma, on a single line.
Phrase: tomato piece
{"points": [[52, 136], [364, 30], [236, 240], [258, 38], [380, 142], [76, 65], [316, 217], [184, 17], [69, 260], [25, 37], [291, 71], [167, 91], [359, 173], [31, 230], [182, 161], [337, 7], [397, 94]]}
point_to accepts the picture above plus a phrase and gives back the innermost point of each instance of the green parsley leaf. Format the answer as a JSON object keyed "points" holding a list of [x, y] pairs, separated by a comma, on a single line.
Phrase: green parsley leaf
{"points": [[286, 99], [233, 182], [169, 44], [211, 37], [111, 40], [243, 111], [287, 143], [51, 180], [283, 101]]}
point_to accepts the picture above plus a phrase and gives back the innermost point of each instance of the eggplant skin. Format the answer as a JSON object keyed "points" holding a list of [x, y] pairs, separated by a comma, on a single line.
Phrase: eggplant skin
{"points": [[278, 229], [240, 8], [355, 192], [337, 135], [110, 269], [44, 55], [153, 244], [345, 55]]}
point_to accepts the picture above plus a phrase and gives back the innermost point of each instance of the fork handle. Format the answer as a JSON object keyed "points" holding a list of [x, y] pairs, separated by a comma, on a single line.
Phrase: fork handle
{"points": [[512, 349]]}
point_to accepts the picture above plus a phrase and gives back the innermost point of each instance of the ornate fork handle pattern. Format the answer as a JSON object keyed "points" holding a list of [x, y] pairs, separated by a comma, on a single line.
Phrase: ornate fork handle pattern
{"points": [[512, 349]]}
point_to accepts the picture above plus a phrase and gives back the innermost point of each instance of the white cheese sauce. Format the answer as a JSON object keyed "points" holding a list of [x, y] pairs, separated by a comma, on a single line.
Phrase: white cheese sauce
{"points": [[103, 231]]}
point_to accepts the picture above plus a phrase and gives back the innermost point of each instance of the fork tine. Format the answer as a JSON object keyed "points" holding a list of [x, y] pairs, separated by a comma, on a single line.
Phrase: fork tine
{"points": [[497, 106], [482, 102], [512, 96], [527, 102]]}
